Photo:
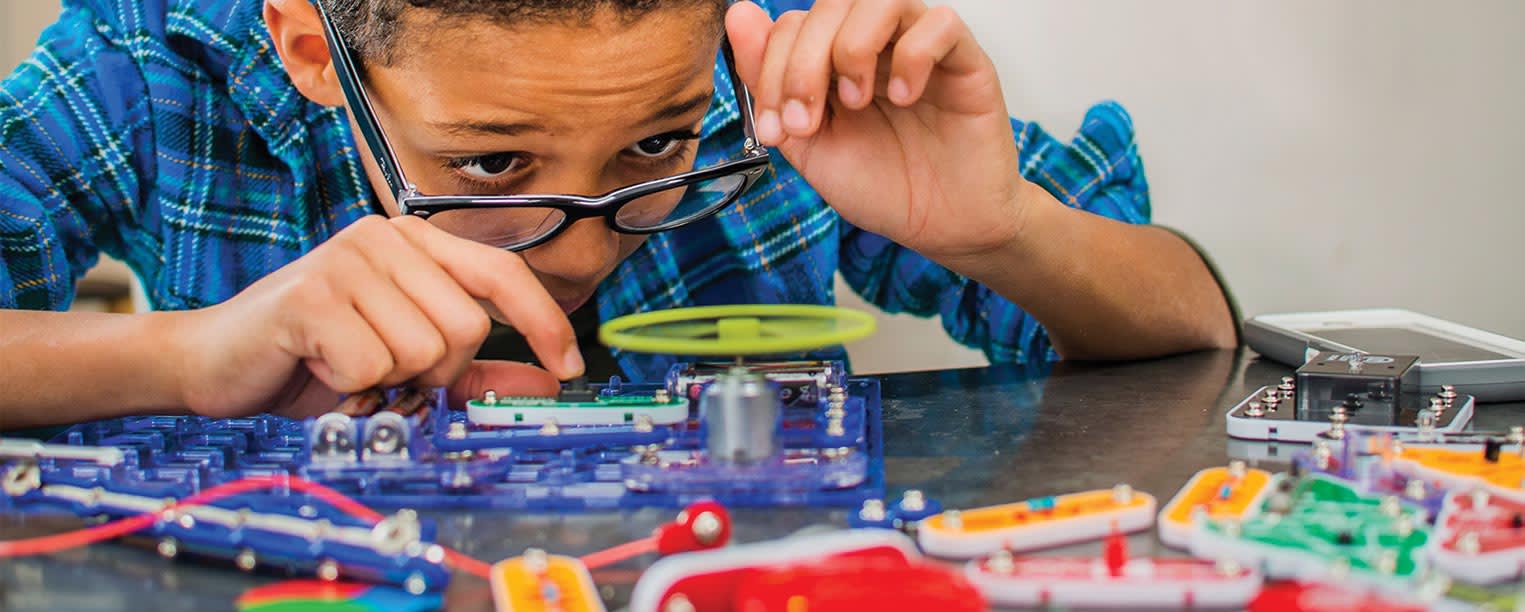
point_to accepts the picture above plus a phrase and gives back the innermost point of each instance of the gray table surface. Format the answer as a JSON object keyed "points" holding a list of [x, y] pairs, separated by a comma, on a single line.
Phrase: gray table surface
{"points": [[966, 437]]}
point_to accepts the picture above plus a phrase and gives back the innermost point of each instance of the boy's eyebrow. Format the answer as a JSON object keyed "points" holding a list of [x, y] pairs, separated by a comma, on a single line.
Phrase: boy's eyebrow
{"points": [[500, 128], [682, 107], [512, 128]]}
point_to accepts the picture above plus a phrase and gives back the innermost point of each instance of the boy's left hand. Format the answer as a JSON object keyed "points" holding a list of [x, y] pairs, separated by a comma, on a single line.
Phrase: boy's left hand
{"points": [[894, 113]]}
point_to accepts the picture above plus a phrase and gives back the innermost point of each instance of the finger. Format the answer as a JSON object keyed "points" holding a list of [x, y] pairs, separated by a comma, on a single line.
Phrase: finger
{"points": [[863, 42], [506, 378], [747, 27], [939, 39], [504, 280], [807, 73], [314, 398], [769, 87], [458, 320], [344, 352], [412, 339]]}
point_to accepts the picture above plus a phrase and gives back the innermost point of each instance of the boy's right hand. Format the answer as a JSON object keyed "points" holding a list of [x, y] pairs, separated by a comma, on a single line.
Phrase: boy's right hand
{"points": [[384, 302]]}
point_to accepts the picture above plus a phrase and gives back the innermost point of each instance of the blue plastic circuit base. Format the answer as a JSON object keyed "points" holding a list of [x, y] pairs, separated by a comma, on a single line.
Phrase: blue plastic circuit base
{"points": [[450, 463], [830, 434]]}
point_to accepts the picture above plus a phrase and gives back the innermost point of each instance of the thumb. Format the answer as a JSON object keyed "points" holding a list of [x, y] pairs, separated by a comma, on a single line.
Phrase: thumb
{"points": [[506, 378], [748, 27]]}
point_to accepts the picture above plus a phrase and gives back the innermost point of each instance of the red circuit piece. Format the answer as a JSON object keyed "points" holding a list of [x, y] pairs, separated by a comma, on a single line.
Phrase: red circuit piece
{"points": [[849, 585], [702, 525], [801, 567], [1306, 597], [717, 590]]}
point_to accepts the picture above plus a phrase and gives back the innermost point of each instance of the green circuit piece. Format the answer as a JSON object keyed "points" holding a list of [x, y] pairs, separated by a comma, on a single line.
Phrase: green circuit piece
{"points": [[1331, 520], [602, 410]]}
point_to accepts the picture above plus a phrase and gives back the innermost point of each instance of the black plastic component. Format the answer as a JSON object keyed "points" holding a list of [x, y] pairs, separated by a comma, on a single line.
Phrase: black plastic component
{"points": [[1371, 389], [577, 391], [1491, 448]]}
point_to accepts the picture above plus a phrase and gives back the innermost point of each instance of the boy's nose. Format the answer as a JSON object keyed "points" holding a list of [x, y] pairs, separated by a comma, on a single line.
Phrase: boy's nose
{"points": [[581, 253]]}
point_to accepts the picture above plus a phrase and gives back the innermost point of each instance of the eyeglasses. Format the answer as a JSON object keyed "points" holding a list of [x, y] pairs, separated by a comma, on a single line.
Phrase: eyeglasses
{"points": [[520, 222]]}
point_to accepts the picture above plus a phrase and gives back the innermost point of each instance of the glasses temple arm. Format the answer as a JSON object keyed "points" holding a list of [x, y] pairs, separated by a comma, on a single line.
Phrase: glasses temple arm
{"points": [[743, 99], [359, 101]]}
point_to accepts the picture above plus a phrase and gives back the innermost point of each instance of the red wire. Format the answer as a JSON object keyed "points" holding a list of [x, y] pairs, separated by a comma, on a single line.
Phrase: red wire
{"points": [[621, 552], [121, 527], [470, 565], [74, 539]]}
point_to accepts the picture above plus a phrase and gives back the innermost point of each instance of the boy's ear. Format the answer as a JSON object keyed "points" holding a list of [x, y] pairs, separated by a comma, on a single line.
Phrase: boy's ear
{"points": [[298, 34]]}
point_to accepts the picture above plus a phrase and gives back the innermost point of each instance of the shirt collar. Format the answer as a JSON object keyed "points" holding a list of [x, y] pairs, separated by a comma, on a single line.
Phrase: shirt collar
{"points": [[261, 90]]}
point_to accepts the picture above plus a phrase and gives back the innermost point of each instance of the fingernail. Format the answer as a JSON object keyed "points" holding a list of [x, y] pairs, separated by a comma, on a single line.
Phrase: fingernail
{"points": [[848, 91], [574, 363], [900, 92], [767, 127], [796, 116]]}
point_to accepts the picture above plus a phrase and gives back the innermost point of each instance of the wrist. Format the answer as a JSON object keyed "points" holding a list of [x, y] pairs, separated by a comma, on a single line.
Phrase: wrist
{"points": [[1032, 210], [164, 356]]}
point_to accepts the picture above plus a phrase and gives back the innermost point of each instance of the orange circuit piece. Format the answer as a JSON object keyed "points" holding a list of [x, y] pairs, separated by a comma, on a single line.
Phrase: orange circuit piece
{"points": [[1207, 493], [1075, 505], [1503, 470], [538, 581]]}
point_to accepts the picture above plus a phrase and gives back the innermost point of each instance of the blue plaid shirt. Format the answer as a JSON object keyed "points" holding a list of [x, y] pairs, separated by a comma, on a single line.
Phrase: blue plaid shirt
{"points": [[165, 133]]}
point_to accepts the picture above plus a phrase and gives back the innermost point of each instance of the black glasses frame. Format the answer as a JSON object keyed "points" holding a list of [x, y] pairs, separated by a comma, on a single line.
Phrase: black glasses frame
{"points": [[410, 201]]}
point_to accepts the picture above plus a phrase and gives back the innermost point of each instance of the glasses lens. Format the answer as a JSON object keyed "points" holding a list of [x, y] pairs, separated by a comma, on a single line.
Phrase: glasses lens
{"points": [[680, 204], [506, 228]]}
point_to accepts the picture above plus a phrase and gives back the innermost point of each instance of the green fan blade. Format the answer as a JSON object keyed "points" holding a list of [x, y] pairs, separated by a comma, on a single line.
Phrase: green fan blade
{"points": [[737, 330]]}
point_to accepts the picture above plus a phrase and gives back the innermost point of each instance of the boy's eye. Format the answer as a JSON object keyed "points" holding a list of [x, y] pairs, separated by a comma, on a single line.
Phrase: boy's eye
{"points": [[657, 146], [489, 166]]}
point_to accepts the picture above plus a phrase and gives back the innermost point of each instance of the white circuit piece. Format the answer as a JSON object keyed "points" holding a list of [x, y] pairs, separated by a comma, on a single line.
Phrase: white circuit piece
{"points": [[12, 448], [1244, 427], [1140, 583], [1036, 523]]}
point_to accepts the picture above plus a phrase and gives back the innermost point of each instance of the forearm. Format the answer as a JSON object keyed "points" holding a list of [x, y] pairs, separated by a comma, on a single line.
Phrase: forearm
{"points": [[67, 367], [1105, 289]]}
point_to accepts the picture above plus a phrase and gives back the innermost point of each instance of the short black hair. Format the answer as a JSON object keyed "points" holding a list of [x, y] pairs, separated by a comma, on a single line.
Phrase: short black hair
{"points": [[371, 26]]}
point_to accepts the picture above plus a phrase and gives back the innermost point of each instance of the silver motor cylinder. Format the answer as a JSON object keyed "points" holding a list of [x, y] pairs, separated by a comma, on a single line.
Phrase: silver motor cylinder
{"points": [[741, 413]]}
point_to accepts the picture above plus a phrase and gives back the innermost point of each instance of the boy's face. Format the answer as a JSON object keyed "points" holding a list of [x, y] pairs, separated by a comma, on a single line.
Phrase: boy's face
{"points": [[474, 107]]}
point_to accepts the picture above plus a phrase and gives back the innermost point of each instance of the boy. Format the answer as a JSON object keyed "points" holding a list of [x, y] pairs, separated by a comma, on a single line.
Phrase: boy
{"points": [[286, 245]]}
